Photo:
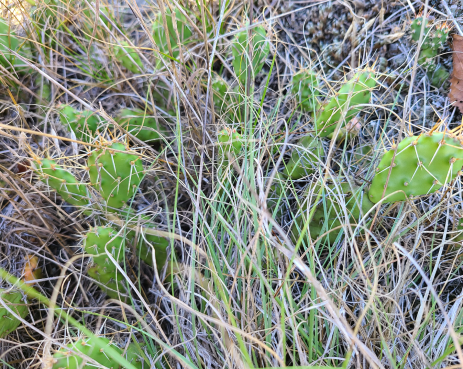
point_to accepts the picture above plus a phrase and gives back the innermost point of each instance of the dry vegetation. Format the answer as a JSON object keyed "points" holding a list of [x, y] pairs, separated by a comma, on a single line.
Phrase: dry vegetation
{"points": [[239, 290]]}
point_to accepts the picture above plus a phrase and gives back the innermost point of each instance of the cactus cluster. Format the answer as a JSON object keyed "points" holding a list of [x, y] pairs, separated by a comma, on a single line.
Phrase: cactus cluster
{"points": [[421, 166], [241, 50], [305, 160], [432, 40], [14, 300], [146, 128], [114, 174]]}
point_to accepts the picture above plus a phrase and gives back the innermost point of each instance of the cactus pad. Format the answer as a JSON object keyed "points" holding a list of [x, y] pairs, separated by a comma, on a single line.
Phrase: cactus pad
{"points": [[422, 165], [304, 87], [84, 124], [304, 161], [100, 239], [160, 34], [8, 41], [240, 51], [116, 175], [63, 182], [230, 141], [67, 358], [110, 281], [416, 28], [133, 356], [128, 57], [330, 212], [14, 300], [141, 126], [344, 105]]}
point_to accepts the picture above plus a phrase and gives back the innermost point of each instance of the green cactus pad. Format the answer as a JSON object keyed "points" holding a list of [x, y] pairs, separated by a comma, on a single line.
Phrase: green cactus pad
{"points": [[63, 182], [439, 76], [330, 212], [354, 92], [143, 127], [160, 35], [304, 87], [230, 142], [84, 124], [132, 355], [416, 28], [423, 164], [160, 250], [304, 161], [128, 57], [116, 175], [67, 358], [8, 41], [14, 300], [220, 93], [240, 51], [100, 239], [110, 281]]}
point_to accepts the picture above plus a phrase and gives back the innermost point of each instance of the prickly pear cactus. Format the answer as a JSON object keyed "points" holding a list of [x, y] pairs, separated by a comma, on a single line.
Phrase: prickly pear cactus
{"points": [[8, 41], [84, 124], [100, 239], [422, 165], [161, 35], [115, 175], [306, 160], [230, 141], [14, 300], [433, 39], [345, 104], [128, 57], [140, 125], [62, 181], [67, 358], [220, 93], [241, 57], [110, 280], [132, 355], [304, 87], [330, 211]]}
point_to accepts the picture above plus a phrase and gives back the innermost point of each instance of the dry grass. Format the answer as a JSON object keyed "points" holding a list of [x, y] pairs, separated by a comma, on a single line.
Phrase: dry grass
{"points": [[238, 291]]}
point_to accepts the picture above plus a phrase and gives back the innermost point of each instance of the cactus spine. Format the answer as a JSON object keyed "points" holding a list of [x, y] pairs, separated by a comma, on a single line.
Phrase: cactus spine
{"points": [[116, 175], [344, 105], [304, 87], [68, 358], [432, 41], [14, 300], [141, 126], [422, 165], [241, 48], [62, 181]]}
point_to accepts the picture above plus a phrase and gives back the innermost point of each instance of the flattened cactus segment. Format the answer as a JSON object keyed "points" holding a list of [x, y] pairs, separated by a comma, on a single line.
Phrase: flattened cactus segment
{"points": [[241, 53], [14, 300], [128, 57], [422, 165], [110, 281], [141, 125], [68, 358], [115, 175], [99, 241], [305, 160], [344, 105], [62, 181], [304, 87], [84, 124]]}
